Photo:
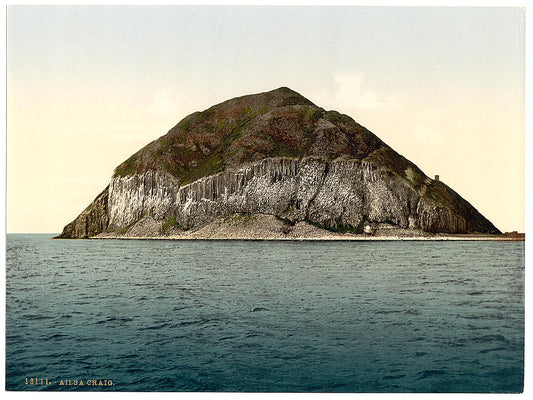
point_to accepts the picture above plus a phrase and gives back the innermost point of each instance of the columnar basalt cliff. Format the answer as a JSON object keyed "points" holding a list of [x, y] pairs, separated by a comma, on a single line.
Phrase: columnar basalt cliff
{"points": [[276, 154]]}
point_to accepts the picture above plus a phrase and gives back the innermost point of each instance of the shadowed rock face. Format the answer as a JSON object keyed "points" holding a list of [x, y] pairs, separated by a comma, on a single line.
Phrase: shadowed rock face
{"points": [[275, 153], [93, 220]]}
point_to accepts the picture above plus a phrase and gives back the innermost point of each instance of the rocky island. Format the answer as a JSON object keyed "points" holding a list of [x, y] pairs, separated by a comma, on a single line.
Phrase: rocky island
{"points": [[273, 165]]}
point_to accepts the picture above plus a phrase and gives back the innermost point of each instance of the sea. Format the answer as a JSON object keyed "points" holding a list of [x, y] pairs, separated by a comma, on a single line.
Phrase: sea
{"points": [[264, 316]]}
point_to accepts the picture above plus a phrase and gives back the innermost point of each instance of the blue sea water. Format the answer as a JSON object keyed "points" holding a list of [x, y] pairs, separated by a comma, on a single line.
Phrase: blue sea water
{"points": [[247, 316]]}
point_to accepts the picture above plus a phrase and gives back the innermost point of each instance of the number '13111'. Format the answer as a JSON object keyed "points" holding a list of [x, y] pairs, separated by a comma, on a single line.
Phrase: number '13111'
{"points": [[36, 381]]}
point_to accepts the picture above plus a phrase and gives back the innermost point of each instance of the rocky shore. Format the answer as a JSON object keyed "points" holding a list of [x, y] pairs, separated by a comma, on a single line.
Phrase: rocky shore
{"points": [[268, 227]]}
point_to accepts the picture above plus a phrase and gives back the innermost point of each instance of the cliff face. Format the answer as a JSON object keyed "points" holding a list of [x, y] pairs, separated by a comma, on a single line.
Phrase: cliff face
{"points": [[286, 157], [93, 220]]}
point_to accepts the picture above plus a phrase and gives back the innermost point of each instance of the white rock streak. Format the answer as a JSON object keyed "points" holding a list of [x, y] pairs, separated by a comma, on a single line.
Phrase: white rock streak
{"points": [[342, 192]]}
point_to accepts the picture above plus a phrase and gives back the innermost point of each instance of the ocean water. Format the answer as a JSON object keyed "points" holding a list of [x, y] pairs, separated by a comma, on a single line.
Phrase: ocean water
{"points": [[244, 316]]}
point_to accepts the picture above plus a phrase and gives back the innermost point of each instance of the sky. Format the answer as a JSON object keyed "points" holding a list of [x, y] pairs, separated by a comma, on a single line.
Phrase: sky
{"points": [[87, 86]]}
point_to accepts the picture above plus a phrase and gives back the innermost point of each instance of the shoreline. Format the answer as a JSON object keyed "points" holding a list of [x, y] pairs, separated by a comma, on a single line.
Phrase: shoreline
{"points": [[262, 227], [472, 238]]}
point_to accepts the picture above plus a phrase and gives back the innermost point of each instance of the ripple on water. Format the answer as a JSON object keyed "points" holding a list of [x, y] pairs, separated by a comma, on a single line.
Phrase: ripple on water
{"points": [[267, 316]]}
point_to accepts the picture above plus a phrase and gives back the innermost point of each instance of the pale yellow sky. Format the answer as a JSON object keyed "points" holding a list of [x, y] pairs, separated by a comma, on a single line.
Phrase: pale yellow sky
{"points": [[89, 86]]}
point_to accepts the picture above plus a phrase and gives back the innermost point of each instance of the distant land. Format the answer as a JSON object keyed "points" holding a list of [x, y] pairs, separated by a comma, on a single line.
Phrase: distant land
{"points": [[274, 165]]}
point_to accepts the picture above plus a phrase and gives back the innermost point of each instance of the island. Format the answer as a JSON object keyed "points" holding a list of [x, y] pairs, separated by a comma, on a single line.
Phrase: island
{"points": [[274, 165]]}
